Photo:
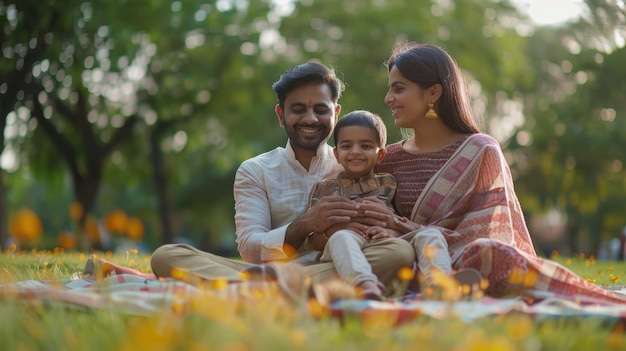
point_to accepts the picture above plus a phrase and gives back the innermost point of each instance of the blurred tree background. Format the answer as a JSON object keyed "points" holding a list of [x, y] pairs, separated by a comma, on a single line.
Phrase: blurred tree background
{"points": [[114, 111]]}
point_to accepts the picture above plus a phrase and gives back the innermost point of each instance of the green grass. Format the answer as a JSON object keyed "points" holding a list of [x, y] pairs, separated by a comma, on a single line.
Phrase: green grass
{"points": [[605, 273], [226, 324]]}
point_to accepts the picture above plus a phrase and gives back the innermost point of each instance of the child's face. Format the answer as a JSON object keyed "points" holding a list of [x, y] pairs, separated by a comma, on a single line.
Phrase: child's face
{"points": [[357, 150]]}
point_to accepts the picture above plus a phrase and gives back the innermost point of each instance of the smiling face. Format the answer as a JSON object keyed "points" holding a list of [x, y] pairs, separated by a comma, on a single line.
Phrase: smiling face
{"points": [[408, 101], [358, 150], [309, 116]]}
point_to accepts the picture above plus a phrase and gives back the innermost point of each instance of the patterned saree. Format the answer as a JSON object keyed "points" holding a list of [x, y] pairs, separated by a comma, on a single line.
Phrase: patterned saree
{"points": [[472, 199]]}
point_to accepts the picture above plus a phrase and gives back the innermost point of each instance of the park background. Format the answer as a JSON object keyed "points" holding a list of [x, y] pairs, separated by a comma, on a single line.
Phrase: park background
{"points": [[123, 122]]}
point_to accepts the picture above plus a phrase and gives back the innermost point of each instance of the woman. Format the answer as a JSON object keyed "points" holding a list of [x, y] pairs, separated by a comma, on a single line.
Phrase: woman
{"points": [[455, 179]]}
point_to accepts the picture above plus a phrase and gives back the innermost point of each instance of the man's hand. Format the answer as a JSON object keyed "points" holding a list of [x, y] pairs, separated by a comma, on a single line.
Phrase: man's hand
{"points": [[329, 211], [373, 212]]}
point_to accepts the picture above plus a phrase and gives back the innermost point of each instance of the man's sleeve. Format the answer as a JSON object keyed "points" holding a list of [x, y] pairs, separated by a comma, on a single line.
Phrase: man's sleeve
{"points": [[256, 241]]}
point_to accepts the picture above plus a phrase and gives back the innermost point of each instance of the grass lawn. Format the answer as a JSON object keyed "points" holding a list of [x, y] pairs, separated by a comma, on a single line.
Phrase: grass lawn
{"points": [[271, 324]]}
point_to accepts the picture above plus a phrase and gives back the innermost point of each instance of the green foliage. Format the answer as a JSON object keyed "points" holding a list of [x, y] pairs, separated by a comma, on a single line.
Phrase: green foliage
{"points": [[192, 81], [358, 39], [573, 162]]}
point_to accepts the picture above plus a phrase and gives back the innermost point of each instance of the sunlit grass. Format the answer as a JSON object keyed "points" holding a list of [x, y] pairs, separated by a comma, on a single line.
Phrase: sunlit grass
{"points": [[214, 321], [605, 273], [58, 264]]}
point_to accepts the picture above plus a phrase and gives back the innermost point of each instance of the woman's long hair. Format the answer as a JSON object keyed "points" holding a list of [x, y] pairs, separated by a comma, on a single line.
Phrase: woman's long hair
{"points": [[426, 65]]}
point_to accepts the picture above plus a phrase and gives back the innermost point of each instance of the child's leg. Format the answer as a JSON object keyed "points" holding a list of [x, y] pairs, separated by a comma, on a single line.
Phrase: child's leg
{"points": [[432, 253], [344, 248], [431, 250]]}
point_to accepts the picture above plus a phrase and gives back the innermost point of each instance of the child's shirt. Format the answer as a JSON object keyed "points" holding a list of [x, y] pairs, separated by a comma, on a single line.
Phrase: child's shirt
{"points": [[380, 185]]}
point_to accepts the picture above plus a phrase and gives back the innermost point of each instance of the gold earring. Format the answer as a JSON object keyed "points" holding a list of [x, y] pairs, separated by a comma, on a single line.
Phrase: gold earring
{"points": [[431, 113]]}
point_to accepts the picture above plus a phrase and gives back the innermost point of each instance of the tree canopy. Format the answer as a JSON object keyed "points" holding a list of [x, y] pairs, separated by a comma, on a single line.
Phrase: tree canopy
{"points": [[150, 106]]}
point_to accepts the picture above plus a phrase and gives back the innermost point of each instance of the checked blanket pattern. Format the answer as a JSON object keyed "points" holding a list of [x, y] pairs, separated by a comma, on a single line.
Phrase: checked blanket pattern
{"points": [[135, 295]]}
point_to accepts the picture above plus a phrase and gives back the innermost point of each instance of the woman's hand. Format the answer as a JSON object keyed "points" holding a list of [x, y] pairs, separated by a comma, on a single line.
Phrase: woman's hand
{"points": [[374, 212]]}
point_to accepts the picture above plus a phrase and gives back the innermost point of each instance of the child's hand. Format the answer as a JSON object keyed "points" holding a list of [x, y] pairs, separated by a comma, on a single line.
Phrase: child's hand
{"points": [[377, 233]]}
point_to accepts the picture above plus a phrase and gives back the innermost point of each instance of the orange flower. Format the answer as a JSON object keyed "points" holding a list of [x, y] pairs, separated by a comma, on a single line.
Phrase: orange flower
{"points": [[516, 276], [25, 226], [430, 252], [554, 255], [134, 228], [76, 210], [92, 230], [530, 279], [116, 221], [67, 240], [180, 274], [405, 274]]}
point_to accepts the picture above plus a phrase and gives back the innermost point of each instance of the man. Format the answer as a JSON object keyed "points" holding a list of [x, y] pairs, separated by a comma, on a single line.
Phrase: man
{"points": [[271, 194]]}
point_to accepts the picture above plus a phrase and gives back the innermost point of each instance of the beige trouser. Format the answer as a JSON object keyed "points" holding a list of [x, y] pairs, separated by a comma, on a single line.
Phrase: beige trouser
{"points": [[385, 256]]}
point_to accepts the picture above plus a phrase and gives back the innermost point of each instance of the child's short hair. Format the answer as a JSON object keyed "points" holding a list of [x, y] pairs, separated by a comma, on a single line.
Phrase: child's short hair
{"points": [[366, 119]]}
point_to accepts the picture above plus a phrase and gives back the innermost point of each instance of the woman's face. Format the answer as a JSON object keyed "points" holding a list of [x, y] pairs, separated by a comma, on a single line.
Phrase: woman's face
{"points": [[408, 101]]}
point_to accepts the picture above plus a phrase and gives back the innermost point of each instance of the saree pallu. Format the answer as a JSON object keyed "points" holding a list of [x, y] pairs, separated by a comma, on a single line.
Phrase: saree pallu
{"points": [[472, 201]]}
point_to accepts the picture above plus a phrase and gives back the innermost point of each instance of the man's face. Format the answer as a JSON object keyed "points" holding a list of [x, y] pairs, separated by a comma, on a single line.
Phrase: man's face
{"points": [[309, 115]]}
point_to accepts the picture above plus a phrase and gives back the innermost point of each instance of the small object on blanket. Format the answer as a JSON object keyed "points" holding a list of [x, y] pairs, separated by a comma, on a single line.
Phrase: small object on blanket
{"points": [[90, 268], [290, 277]]}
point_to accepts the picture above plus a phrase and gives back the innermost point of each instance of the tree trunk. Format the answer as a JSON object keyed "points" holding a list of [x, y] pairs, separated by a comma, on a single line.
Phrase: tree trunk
{"points": [[573, 228], [85, 192], [159, 173], [596, 231]]}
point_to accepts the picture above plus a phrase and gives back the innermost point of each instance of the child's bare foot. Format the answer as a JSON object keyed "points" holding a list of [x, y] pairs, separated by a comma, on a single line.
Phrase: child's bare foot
{"points": [[369, 290]]}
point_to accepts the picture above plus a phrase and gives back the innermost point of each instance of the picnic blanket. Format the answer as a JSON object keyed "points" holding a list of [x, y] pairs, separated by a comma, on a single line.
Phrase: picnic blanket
{"points": [[124, 293], [549, 306], [136, 295]]}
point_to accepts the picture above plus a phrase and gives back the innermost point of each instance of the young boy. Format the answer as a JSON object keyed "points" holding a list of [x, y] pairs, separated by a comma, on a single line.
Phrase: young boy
{"points": [[360, 138]]}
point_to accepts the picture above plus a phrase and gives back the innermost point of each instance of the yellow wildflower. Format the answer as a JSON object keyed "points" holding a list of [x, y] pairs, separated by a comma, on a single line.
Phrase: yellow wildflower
{"points": [[406, 274], [430, 251]]}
